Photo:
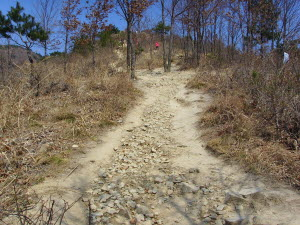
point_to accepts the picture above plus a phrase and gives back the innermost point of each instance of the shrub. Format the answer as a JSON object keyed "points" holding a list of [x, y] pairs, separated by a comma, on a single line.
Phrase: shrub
{"points": [[256, 114]]}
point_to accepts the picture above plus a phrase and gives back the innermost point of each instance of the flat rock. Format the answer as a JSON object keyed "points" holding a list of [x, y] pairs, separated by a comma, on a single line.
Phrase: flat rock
{"points": [[131, 204], [147, 222], [121, 185], [111, 211], [205, 191], [93, 207], [188, 188], [140, 217], [104, 197], [97, 214], [218, 222], [170, 184], [207, 219], [141, 209], [236, 220], [105, 187], [175, 179], [249, 191], [158, 180], [102, 173], [220, 207], [232, 197]]}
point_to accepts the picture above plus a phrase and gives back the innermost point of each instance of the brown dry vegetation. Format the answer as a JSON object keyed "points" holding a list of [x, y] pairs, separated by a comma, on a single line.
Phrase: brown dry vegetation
{"points": [[37, 133], [254, 117], [149, 61]]}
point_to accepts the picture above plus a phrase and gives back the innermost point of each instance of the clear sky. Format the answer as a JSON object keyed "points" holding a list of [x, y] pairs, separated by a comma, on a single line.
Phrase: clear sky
{"points": [[28, 5], [6, 4], [114, 18]]}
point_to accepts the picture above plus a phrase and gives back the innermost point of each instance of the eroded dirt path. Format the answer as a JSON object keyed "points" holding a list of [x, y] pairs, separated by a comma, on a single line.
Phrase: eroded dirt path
{"points": [[154, 169]]}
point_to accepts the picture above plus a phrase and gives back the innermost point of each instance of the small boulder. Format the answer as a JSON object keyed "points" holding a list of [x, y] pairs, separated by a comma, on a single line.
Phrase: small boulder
{"points": [[141, 209], [102, 173], [104, 197], [236, 221], [158, 180], [232, 197], [194, 170], [140, 218], [189, 188]]}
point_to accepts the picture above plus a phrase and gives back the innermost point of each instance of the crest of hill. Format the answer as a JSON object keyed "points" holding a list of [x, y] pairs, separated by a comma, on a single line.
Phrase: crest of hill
{"points": [[17, 54]]}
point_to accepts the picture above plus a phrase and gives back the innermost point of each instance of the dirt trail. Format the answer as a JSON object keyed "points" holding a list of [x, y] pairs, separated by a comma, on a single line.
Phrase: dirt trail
{"points": [[153, 169]]}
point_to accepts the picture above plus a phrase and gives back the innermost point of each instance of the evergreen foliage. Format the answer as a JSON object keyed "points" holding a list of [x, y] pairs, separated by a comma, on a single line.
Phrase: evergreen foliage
{"points": [[106, 35], [23, 25], [160, 28], [265, 17], [5, 26]]}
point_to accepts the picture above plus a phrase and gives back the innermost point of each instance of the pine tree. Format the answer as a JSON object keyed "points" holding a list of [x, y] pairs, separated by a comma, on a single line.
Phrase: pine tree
{"points": [[161, 28], [264, 21], [25, 32], [5, 26]]}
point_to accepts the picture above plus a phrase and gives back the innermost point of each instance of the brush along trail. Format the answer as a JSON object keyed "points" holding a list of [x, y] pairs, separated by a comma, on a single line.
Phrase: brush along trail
{"points": [[154, 169]]}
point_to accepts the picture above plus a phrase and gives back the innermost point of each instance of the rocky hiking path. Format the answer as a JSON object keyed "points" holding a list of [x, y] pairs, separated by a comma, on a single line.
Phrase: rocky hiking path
{"points": [[154, 169]]}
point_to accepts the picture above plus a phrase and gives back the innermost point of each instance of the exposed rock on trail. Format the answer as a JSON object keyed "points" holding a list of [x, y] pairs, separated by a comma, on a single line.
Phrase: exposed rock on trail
{"points": [[157, 171]]}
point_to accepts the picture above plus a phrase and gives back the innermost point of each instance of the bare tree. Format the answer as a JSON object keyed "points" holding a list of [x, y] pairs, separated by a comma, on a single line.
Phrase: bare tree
{"points": [[131, 10], [173, 15], [290, 20], [70, 23], [46, 13], [97, 12], [163, 19]]}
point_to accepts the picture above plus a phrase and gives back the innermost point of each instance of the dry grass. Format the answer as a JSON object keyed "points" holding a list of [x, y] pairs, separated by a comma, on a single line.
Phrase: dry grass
{"points": [[146, 61], [37, 133], [241, 124]]}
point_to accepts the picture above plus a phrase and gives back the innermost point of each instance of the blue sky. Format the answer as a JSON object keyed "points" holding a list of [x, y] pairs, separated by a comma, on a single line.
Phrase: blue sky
{"points": [[114, 18], [28, 5], [6, 4]]}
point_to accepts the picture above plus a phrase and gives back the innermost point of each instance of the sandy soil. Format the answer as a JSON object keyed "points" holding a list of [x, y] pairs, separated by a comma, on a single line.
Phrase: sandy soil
{"points": [[154, 169]]}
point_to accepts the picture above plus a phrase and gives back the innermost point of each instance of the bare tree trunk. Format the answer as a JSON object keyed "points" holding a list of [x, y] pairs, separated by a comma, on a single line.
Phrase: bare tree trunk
{"points": [[8, 62], [164, 34], [66, 51], [8, 53], [130, 50], [187, 43], [249, 32], [171, 41], [151, 46], [45, 51], [46, 13], [284, 24], [93, 54], [45, 48], [215, 33], [133, 58], [3, 65], [195, 46], [128, 47], [199, 44], [34, 78]]}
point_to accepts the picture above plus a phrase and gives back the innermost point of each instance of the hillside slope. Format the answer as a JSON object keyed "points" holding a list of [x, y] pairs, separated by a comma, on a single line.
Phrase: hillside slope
{"points": [[153, 169], [17, 54]]}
